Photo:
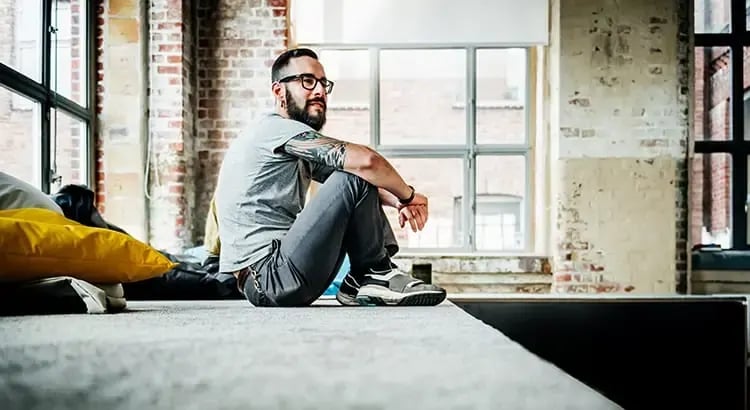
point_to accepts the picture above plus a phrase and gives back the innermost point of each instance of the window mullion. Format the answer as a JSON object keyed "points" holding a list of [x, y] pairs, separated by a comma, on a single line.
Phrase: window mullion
{"points": [[375, 97], [90, 87], [738, 16], [46, 128], [470, 173], [739, 159], [528, 207]]}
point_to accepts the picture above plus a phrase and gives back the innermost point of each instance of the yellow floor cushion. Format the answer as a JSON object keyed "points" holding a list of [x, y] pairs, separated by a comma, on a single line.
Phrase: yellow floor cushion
{"points": [[39, 243]]}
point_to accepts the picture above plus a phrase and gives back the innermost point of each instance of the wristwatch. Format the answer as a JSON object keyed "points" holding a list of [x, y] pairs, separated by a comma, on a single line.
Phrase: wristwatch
{"points": [[410, 198]]}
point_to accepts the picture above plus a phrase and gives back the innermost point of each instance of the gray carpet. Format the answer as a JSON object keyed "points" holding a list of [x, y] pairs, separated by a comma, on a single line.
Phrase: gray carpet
{"points": [[229, 355]]}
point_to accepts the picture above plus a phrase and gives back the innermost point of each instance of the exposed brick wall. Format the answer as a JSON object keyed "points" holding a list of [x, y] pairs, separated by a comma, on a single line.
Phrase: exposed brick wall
{"points": [[170, 124], [237, 43], [623, 136], [120, 105], [189, 105], [185, 149]]}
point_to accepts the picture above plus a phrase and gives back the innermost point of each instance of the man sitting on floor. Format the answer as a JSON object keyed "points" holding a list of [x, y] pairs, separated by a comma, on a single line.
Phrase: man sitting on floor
{"points": [[284, 255]]}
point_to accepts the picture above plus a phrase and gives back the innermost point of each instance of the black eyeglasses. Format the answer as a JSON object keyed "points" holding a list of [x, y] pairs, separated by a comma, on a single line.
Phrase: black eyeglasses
{"points": [[309, 82]]}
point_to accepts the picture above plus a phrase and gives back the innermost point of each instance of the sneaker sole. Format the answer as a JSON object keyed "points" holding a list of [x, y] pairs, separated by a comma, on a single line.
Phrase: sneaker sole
{"points": [[380, 296], [346, 300]]}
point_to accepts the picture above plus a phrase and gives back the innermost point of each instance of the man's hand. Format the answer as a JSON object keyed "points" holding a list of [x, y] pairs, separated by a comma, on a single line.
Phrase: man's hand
{"points": [[419, 199], [415, 213]]}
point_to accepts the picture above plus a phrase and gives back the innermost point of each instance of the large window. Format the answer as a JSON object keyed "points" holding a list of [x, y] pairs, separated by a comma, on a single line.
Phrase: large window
{"points": [[454, 122], [719, 169], [46, 102]]}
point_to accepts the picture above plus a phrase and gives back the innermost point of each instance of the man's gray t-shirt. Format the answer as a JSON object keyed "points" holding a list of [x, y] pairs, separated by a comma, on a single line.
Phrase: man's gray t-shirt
{"points": [[260, 191]]}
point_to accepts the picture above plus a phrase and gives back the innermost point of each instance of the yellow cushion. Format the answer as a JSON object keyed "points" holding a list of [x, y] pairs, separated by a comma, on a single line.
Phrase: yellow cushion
{"points": [[39, 243]]}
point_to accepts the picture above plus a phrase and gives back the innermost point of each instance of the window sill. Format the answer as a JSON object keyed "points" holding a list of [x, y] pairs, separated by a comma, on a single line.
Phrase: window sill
{"points": [[461, 274], [476, 263]]}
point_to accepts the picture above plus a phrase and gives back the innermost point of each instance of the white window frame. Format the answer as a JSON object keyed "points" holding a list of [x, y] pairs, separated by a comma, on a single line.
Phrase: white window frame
{"points": [[468, 151]]}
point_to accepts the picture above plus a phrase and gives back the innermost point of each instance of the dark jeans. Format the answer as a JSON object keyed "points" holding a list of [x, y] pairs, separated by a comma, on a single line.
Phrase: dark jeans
{"points": [[345, 217]]}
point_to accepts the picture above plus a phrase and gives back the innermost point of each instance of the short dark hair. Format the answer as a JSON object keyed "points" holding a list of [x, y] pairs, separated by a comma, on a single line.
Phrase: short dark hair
{"points": [[283, 60]]}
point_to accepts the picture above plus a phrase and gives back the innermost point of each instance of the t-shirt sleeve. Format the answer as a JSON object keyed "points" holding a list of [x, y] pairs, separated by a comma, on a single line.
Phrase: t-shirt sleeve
{"points": [[283, 130]]}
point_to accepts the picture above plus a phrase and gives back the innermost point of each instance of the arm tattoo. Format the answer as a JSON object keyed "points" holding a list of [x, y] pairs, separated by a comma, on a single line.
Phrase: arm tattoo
{"points": [[317, 149], [320, 172]]}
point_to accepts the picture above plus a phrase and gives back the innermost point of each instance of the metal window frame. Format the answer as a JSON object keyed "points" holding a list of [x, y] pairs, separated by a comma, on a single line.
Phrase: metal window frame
{"points": [[736, 146], [48, 100], [469, 151]]}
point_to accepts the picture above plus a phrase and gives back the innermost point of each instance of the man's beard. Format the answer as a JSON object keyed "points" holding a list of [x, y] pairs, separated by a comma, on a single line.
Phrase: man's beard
{"points": [[315, 120]]}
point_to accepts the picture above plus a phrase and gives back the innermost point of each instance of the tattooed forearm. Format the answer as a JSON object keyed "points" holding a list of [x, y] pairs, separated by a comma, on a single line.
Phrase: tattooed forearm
{"points": [[318, 148]]}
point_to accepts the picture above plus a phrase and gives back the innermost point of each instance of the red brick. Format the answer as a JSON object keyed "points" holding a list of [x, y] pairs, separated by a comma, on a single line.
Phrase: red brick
{"points": [[168, 69], [170, 48], [177, 189]]}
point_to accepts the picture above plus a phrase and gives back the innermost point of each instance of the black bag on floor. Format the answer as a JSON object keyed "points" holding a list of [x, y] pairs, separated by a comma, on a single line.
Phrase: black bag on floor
{"points": [[188, 281], [77, 203]]}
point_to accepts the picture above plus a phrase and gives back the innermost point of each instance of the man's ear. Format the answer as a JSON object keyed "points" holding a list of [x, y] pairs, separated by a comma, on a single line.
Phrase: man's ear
{"points": [[278, 90]]}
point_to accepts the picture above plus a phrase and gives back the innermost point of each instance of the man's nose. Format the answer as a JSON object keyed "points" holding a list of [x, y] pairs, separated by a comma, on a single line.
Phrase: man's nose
{"points": [[319, 90]]}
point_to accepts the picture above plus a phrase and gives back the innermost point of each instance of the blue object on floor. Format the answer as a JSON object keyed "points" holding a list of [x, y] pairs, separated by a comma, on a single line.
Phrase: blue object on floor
{"points": [[334, 287]]}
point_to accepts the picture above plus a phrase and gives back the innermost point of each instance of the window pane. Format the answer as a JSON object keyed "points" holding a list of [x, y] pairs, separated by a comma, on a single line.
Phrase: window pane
{"points": [[441, 180], [20, 142], [712, 16], [421, 97], [711, 199], [21, 31], [68, 151], [69, 49], [348, 116], [712, 97], [501, 205], [501, 96]]}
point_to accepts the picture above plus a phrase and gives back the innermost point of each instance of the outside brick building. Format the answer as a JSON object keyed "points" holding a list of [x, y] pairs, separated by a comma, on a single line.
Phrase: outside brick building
{"points": [[19, 117]]}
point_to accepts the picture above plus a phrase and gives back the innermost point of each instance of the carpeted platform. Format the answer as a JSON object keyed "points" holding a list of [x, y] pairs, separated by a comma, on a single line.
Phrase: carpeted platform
{"points": [[229, 355]]}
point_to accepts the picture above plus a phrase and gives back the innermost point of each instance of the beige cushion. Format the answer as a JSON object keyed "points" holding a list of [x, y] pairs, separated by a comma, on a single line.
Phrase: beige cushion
{"points": [[211, 236], [15, 194]]}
